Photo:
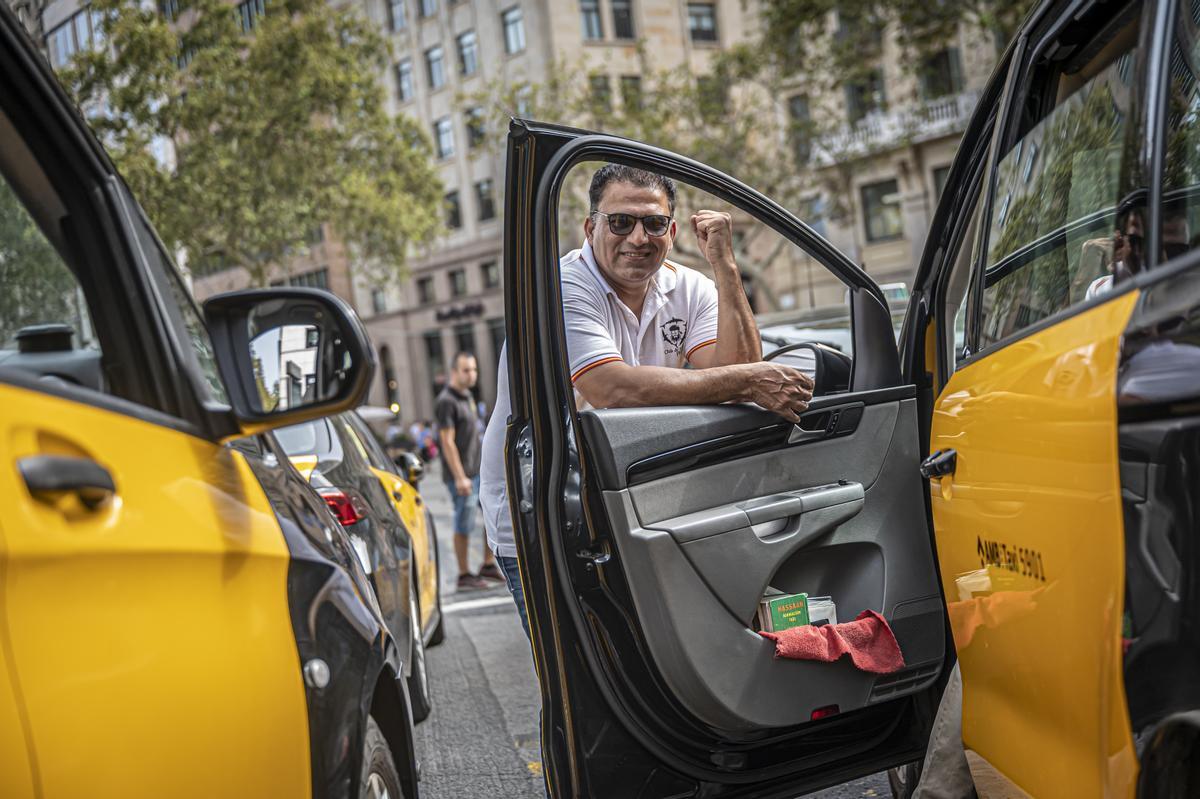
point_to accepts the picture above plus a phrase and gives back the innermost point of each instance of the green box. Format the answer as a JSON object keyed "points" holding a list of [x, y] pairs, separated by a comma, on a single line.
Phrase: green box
{"points": [[785, 611]]}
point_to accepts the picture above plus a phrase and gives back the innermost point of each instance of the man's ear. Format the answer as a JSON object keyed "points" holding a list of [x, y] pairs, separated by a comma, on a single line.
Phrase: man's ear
{"points": [[589, 224]]}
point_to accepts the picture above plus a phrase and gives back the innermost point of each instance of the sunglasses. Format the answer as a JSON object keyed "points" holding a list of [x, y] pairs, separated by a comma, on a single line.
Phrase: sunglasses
{"points": [[623, 224]]}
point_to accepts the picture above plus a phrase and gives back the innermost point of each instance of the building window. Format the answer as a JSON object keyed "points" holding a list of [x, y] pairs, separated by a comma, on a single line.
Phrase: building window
{"points": [[476, 127], [435, 68], [524, 100], [79, 32], [800, 127], [702, 22], [496, 335], [443, 137], [941, 75], [425, 294], [881, 210], [939, 181], [435, 359], [514, 30], [601, 91], [398, 13], [468, 54], [464, 337], [486, 195], [491, 274], [865, 96], [622, 16], [404, 81], [248, 12], [428, 7], [378, 301], [631, 92], [453, 211], [169, 9], [593, 26], [316, 279], [458, 282]]}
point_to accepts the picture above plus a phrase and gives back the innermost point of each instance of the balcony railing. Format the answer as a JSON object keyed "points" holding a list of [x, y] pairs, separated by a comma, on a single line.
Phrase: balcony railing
{"points": [[879, 131]]}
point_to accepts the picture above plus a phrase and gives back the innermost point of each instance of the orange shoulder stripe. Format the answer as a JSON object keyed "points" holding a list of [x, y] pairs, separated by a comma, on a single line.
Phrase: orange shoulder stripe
{"points": [[593, 365], [698, 346]]}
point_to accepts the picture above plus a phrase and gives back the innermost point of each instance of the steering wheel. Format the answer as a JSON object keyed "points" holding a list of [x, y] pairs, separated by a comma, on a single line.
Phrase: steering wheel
{"points": [[828, 367]]}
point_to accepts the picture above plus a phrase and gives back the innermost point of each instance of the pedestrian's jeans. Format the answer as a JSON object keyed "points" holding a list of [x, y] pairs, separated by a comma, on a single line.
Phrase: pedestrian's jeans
{"points": [[464, 507], [512, 578]]}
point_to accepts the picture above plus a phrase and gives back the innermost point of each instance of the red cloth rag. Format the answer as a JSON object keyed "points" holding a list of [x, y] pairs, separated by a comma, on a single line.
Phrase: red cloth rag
{"points": [[868, 640]]}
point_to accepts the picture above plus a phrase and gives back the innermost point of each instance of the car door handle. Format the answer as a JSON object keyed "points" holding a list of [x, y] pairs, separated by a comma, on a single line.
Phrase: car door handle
{"points": [[939, 464], [46, 475]]}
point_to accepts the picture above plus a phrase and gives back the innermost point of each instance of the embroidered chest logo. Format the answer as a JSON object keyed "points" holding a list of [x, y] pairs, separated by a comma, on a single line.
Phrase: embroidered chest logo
{"points": [[674, 331]]}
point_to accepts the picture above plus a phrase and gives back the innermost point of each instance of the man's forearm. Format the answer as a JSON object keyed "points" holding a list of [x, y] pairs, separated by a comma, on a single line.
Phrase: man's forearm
{"points": [[450, 453], [737, 334], [625, 386]]}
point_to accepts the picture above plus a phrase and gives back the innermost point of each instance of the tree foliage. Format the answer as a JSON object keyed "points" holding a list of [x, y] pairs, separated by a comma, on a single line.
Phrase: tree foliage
{"points": [[240, 145]]}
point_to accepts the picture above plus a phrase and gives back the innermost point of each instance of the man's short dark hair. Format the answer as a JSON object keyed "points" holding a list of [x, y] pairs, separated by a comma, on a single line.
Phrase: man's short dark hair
{"points": [[619, 173], [459, 355]]}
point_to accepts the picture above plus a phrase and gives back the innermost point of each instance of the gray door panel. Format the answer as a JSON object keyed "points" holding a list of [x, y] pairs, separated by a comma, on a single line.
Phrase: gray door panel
{"points": [[699, 548]]}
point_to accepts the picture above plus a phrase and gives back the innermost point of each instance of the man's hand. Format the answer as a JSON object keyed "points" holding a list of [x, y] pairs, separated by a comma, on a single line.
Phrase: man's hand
{"points": [[714, 233], [781, 389], [463, 486]]}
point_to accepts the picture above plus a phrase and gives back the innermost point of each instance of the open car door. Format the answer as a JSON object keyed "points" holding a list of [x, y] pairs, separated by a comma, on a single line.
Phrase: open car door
{"points": [[647, 537]]}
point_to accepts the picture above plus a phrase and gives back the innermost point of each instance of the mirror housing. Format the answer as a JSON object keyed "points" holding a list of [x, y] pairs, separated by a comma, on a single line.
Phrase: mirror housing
{"points": [[288, 355], [411, 467], [829, 368]]}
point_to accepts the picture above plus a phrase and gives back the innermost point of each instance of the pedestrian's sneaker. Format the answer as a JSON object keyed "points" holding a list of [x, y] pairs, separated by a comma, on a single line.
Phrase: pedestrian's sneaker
{"points": [[490, 571], [469, 582]]}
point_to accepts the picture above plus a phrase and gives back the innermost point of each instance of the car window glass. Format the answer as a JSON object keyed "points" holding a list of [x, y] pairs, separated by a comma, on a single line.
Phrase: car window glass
{"points": [[794, 298], [955, 295], [308, 438], [45, 324], [1180, 218], [182, 311], [1067, 219], [367, 441]]}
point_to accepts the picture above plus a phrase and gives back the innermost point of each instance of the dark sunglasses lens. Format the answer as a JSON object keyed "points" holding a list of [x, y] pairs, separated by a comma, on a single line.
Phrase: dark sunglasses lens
{"points": [[656, 225], [621, 224]]}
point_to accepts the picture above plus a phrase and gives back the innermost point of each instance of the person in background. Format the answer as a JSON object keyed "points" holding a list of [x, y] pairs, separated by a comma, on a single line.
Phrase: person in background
{"points": [[461, 445]]}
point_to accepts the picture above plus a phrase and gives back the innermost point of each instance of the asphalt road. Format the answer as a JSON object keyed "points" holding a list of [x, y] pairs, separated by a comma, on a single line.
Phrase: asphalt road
{"points": [[481, 741]]}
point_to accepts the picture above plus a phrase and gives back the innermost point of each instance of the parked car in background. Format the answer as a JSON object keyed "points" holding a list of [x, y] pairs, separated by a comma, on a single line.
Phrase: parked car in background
{"points": [[389, 526], [180, 613]]}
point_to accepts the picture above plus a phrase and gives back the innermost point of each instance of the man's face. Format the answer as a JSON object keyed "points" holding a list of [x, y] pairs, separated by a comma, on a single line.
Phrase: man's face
{"points": [[629, 261], [465, 373]]}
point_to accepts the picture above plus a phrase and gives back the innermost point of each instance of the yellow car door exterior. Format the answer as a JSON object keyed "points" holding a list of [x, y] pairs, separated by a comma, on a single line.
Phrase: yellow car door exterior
{"points": [[1031, 546], [149, 639]]}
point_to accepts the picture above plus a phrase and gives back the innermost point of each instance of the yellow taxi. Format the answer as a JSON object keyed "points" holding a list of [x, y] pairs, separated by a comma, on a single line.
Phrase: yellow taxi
{"points": [[180, 614], [1014, 487]]}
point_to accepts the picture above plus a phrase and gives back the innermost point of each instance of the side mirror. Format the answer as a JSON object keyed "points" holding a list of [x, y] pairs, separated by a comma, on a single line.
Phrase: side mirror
{"points": [[830, 369], [411, 467], [288, 355]]}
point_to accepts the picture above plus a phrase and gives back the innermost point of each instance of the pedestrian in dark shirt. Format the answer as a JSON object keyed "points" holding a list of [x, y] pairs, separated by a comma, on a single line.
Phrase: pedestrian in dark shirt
{"points": [[461, 445]]}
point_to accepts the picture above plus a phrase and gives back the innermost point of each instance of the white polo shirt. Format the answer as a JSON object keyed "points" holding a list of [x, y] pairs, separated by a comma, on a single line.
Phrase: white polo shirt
{"points": [[678, 317]]}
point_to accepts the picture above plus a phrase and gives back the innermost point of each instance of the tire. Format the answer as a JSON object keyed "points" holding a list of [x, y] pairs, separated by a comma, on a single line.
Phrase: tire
{"points": [[379, 776], [903, 780], [439, 632], [418, 677]]}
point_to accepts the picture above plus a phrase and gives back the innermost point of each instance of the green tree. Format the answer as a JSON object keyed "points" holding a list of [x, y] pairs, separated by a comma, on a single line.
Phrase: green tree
{"points": [[242, 143]]}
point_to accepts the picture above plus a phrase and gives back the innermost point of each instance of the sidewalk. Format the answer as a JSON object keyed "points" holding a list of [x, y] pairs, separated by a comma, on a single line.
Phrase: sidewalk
{"points": [[437, 497]]}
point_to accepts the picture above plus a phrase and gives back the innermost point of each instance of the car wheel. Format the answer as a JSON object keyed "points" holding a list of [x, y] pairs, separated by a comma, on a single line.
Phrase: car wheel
{"points": [[903, 780], [418, 677], [439, 632], [380, 780]]}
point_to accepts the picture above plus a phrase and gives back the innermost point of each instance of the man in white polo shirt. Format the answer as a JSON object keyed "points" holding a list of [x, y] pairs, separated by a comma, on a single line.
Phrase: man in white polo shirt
{"points": [[633, 320]]}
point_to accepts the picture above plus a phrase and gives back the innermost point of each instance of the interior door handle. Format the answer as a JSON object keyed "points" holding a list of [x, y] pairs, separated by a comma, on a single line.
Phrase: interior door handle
{"points": [[46, 475], [800, 434], [939, 464]]}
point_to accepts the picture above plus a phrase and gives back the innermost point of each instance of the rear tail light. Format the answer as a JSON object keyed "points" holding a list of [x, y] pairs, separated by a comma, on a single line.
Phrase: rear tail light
{"points": [[825, 712], [346, 506]]}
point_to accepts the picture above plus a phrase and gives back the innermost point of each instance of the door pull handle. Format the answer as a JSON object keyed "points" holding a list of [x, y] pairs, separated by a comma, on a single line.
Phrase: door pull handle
{"points": [[46, 475], [939, 464], [800, 434]]}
